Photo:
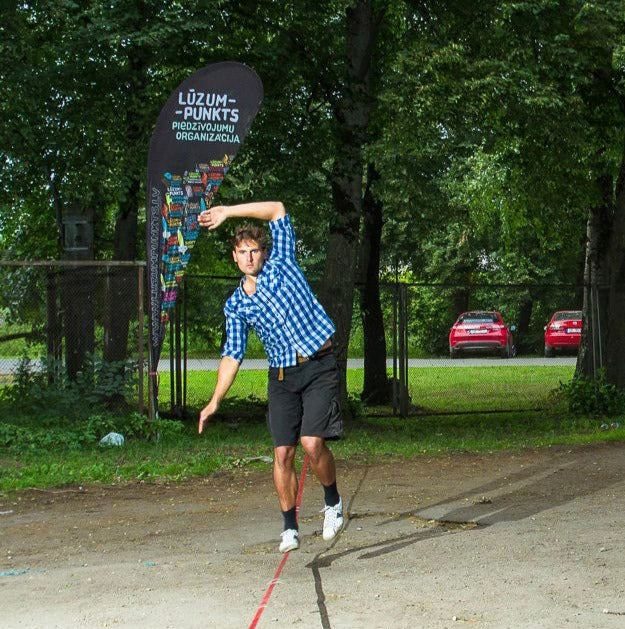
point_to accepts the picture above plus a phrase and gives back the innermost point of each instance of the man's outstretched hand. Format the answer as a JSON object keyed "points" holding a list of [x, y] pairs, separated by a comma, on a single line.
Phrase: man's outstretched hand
{"points": [[205, 415], [212, 217], [226, 373]]}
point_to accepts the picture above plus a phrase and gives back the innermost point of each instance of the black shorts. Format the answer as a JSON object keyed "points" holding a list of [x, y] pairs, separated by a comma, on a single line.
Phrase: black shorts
{"points": [[305, 403]]}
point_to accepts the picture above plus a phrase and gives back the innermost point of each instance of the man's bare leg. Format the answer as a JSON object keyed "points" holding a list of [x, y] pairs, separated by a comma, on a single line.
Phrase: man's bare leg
{"points": [[324, 467], [285, 481], [284, 477], [321, 459]]}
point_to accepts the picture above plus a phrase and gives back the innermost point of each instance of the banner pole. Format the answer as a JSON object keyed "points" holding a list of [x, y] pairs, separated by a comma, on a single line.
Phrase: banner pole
{"points": [[152, 390]]}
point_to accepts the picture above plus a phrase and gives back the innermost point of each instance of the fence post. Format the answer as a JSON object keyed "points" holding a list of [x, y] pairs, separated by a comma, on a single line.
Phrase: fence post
{"points": [[395, 387], [403, 352], [598, 326], [52, 327], [596, 340]]}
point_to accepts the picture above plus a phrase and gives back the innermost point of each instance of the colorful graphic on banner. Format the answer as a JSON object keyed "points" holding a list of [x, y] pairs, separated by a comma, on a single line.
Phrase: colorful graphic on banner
{"points": [[197, 135], [185, 197]]}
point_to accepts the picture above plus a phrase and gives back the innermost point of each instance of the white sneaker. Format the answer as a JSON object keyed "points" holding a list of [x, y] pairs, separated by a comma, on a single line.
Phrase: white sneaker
{"points": [[290, 540], [333, 521]]}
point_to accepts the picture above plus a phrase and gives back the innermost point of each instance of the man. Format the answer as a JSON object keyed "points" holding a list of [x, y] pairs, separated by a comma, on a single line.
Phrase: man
{"points": [[275, 299]]}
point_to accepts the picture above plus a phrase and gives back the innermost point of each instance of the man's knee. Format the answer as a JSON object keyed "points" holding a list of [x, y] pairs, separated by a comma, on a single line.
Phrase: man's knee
{"points": [[313, 446], [284, 457]]}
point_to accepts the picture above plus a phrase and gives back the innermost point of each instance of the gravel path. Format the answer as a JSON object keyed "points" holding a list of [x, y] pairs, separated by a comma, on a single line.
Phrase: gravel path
{"points": [[501, 540]]}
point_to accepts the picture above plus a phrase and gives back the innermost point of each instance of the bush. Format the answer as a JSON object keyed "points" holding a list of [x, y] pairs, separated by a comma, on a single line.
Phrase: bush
{"points": [[47, 393], [18, 438], [593, 397]]}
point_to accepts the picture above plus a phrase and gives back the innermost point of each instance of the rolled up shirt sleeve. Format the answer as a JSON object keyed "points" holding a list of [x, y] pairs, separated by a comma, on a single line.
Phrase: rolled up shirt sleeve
{"points": [[236, 337], [283, 239]]}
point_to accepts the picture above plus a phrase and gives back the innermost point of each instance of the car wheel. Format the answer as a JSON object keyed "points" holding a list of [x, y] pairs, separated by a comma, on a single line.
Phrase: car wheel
{"points": [[505, 351], [549, 352], [453, 353]]}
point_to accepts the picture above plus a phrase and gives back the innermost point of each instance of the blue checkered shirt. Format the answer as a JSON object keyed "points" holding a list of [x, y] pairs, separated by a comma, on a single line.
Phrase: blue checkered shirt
{"points": [[283, 311]]}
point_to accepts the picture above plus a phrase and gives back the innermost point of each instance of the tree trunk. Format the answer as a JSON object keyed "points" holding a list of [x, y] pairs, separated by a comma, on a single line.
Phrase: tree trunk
{"points": [[376, 389], [352, 115], [121, 285], [525, 314], [460, 298], [615, 345], [595, 303], [121, 290], [337, 289]]}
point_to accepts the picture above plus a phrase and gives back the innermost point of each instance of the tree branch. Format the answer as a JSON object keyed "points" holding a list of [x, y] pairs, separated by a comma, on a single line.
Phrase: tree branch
{"points": [[297, 46]]}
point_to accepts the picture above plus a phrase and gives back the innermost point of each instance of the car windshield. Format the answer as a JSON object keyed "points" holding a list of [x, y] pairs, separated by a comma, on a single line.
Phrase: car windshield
{"points": [[478, 317], [569, 314]]}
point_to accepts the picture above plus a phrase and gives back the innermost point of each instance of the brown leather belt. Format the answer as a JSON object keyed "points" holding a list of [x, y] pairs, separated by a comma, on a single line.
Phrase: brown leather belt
{"points": [[324, 350], [319, 354]]}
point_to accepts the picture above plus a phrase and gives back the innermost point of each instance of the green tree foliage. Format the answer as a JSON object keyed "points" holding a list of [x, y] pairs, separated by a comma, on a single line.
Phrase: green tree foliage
{"points": [[515, 113], [485, 134]]}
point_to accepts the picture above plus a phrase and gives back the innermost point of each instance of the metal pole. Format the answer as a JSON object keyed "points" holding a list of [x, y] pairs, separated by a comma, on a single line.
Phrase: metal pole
{"points": [[178, 361], [172, 374], [403, 406], [52, 328], [151, 388], [592, 331], [395, 388], [71, 263], [185, 348], [599, 339], [140, 335], [406, 396]]}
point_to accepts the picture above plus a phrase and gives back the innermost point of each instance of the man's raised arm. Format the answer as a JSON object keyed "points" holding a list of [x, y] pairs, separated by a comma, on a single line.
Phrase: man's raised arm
{"points": [[262, 210]]}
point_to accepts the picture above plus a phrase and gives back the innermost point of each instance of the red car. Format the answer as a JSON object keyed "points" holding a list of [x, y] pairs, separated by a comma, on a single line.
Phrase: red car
{"points": [[481, 330], [563, 331]]}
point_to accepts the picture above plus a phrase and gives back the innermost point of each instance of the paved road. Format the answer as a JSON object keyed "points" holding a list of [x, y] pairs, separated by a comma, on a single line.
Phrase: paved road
{"points": [[8, 365], [200, 364]]}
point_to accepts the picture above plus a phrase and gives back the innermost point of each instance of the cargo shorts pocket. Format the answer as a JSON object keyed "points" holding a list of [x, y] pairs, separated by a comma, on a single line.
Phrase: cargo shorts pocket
{"points": [[334, 425]]}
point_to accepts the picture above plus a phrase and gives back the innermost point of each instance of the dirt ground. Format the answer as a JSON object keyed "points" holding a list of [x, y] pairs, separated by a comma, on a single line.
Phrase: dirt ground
{"points": [[531, 539]]}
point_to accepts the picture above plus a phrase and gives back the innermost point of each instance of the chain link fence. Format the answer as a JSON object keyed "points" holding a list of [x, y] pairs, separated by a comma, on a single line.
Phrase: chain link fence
{"points": [[486, 378], [71, 318], [415, 323], [75, 323]]}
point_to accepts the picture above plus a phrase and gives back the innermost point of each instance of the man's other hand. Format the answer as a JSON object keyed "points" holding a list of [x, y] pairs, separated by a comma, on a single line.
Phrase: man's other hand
{"points": [[205, 415]]}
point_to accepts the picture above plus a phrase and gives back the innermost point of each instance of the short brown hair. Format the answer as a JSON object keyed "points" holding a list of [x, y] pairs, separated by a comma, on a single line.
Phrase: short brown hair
{"points": [[251, 232]]}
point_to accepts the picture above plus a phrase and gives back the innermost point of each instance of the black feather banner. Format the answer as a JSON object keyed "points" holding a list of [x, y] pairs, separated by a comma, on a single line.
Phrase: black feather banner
{"points": [[197, 135]]}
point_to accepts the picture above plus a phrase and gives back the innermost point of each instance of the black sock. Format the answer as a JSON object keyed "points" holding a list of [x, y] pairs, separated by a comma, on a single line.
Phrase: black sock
{"points": [[331, 494], [290, 520]]}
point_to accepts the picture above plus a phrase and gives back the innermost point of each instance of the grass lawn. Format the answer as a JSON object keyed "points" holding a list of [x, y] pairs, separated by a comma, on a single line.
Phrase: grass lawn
{"points": [[38, 453], [458, 389], [226, 444], [442, 389]]}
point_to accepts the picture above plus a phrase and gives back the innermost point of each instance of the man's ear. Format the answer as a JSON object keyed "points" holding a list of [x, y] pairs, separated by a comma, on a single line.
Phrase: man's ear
{"points": [[234, 256]]}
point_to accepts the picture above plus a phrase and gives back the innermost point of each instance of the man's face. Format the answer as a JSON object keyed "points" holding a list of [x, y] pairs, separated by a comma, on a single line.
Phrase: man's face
{"points": [[249, 257]]}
